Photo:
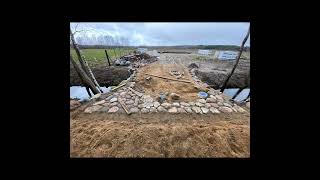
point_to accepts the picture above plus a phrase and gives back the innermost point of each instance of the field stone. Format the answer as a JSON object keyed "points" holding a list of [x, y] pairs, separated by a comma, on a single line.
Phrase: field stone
{"points": [[188, 109], [205, 110], [174, 96], [211, 100], [113, 109], [144, 110], [220, 104], [207, 105], [147, 98], [129, 106], [173, 110], [202, 101], [130, 102], [227, 105], [152, 109], [99, 102], [211, 92], [234, 109], [185, 104], [175, 104], [214, 105], [114, 104], [147, 105], [196, 109], [92, 109], [136, 101], [128, 96], [199, 104], [166, 105], [191, 103], [214, 110], [219, 97], [123, 94], [240, 109], [225, 109], [140, 106], [104, 109], [248, 104], [134, 110], [156, 104], [113, 99], [181, 110], [106, 104], [161, 109], [116, 94]]}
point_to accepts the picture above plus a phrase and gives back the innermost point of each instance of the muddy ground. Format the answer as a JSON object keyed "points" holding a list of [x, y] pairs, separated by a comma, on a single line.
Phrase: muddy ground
{"points": [[160, 135], [212, 72], [105, 75]]}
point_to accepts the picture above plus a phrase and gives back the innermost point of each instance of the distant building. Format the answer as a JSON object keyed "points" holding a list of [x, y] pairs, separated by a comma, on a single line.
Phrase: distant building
{"points": [[204, 52], [226, 55]]}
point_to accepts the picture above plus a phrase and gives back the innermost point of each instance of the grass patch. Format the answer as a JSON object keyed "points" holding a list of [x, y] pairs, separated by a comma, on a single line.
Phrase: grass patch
{"points": [[96, 57]]}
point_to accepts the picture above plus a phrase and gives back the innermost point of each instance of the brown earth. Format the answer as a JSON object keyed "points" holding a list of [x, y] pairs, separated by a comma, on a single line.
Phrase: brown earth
{"points": [[160, 135], [105, 75], [155, 86]]}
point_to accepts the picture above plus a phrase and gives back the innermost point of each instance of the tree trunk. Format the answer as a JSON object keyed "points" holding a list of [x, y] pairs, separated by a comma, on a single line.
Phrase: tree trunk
{"points": [[237, 61], [107, 57], [84, 76], [76, 48], [238, 92], [83, 62], [88, 91]]}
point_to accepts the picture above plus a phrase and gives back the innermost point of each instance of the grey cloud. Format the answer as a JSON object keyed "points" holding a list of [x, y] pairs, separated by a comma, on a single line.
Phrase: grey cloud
{"points": [[171, 33]]}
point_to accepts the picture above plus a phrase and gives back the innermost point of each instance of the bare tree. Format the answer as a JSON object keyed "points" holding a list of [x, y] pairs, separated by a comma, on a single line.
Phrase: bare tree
{"points": [[237, 61], [83, 62], [83, 76]]}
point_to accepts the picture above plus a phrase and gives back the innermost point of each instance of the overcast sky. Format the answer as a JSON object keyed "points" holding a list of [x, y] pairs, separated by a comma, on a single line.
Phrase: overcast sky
{"points": [[155, 34]]}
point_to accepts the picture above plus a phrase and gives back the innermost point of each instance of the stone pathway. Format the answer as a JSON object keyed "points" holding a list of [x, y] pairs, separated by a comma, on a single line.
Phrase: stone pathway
{"points": [[137, 102], [215, 103]]}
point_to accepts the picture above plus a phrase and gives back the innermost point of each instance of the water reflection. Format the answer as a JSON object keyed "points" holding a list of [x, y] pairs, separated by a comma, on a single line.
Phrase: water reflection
{"points": [[80, 92]]}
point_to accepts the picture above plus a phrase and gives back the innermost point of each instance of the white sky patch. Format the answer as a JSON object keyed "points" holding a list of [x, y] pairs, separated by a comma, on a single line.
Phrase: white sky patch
{"points": [[170, 33]]}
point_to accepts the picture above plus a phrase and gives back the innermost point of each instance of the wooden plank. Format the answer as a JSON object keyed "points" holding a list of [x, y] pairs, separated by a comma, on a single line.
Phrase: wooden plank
{"points": [[119, 86], [169, 78], [136, 92], [124, 106]]}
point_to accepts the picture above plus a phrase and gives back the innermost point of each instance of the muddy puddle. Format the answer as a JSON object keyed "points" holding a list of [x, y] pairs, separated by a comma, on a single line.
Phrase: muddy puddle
{"points": [[232, 91], [80, 92]]}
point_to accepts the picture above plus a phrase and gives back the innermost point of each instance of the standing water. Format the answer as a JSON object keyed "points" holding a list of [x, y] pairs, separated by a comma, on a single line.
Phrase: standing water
{"points": [[80, 92], [232, 91]]}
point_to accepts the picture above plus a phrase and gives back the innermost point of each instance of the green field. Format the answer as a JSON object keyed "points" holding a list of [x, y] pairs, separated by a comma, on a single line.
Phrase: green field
{"points": [[96, 57]]}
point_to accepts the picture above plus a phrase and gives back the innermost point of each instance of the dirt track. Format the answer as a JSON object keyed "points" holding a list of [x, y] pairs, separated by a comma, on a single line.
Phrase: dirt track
{"points": [[156, 85], [161, 135]]}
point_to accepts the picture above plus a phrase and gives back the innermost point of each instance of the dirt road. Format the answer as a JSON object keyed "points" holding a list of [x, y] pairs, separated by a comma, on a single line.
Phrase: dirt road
{"points": [[160, 135]]}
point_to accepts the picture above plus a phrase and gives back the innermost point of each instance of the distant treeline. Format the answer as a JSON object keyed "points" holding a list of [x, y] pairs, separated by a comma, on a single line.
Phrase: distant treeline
{"points": [[101, 47], [218, 47]]}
